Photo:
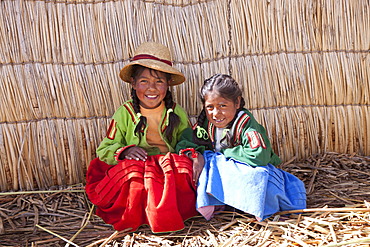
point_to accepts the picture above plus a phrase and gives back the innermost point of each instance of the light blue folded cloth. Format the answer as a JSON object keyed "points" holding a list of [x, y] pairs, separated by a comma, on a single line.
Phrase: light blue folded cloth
{"points": [[260, 191]]}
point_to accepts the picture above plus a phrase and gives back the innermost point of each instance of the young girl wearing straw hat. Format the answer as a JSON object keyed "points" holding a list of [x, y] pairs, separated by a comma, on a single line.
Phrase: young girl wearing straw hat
{"points": [[137, 178], [237, 168]]}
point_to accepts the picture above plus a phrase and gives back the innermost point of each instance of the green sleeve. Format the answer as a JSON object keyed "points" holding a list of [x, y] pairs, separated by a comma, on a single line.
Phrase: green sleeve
{"points": [[255, 148], [115, 140]]}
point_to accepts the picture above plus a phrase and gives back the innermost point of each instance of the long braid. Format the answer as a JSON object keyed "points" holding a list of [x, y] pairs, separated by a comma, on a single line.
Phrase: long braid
{"points": [[174, 120], [242, 103], [228, 136], [136, 106], [201, 118]]}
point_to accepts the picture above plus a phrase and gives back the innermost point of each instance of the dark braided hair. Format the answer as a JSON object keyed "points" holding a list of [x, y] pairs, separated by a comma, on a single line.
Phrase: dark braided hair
{"points": [[136, 104], [174, 120], [226, 87]]}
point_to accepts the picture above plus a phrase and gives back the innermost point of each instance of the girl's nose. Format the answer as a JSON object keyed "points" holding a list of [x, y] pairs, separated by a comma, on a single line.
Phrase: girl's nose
{"points": [[216, 111], [152, 85]]}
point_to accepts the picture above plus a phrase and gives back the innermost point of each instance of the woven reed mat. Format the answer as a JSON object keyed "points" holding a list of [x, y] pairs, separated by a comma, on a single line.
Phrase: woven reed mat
{"points": [[338, 214]]}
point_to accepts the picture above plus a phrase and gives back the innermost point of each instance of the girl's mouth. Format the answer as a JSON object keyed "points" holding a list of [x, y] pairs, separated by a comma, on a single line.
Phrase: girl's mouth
{"points": [[151, 96], [218, 120]]}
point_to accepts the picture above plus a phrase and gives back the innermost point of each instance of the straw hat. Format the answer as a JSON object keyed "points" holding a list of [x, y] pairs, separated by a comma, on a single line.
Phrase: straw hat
{"points": [[154, 56]]}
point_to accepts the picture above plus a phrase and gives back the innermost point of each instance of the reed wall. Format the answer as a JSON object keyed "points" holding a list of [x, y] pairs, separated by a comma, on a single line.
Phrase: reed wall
{"points": [[304, 67]]}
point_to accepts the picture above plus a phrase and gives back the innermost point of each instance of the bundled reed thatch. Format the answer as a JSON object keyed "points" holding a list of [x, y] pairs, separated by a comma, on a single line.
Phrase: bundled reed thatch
{"points": [[304, 68], [338, 214]]}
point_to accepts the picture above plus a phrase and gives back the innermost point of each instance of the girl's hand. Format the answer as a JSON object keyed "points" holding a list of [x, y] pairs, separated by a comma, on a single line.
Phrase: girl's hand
{"points": [[198, 164], [135, 153]]}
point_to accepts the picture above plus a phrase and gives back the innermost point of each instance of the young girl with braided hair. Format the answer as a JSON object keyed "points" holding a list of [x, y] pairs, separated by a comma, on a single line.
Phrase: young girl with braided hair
{"points": [[233, 157], [137, 178]]}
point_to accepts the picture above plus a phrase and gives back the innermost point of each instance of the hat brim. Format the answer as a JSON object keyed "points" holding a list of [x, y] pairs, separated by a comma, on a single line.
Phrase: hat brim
{"points": [[176, 76]]}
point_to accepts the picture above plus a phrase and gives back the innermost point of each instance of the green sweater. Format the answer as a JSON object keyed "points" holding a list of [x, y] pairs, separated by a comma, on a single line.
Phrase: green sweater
{"points": [[120, 134], [252, 145]]}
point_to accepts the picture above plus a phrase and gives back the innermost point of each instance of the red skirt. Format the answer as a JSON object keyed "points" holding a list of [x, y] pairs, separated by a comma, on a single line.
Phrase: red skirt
{"points": [[158, 192]]}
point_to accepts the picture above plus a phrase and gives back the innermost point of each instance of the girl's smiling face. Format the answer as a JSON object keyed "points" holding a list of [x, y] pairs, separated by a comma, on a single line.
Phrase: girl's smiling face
{"points": [[220, 111], [151, 87]]}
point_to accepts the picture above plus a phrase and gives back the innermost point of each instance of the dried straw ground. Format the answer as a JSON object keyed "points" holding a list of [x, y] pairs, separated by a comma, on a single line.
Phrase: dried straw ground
{"points": [[338, 214]]}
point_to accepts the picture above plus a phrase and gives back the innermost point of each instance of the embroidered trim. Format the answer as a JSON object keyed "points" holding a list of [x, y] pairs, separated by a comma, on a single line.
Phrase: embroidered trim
{"points": [[201, 133], [117, 153], [242, 121], [254, 139], [130, 108], [164, 123], [211, 132], [112, 130]]}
